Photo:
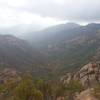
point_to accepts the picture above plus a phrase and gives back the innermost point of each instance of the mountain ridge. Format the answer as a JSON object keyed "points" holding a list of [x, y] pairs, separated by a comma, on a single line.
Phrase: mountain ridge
{"points": [[71, 48]]}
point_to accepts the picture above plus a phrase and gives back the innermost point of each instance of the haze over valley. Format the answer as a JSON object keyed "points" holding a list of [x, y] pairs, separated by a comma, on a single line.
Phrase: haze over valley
{"points": [[49, 50]]}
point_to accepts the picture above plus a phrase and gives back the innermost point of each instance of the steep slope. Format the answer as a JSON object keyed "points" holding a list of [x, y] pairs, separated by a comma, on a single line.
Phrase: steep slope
{"points": [[69, 47], [18, 54]]}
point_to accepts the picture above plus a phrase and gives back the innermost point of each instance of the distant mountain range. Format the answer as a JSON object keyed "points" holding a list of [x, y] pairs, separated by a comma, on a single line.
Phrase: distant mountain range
{"points": [[58, 49], [68, 46]]}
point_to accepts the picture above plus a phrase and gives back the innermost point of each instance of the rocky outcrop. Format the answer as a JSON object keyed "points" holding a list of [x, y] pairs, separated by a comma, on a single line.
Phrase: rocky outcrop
{"points": [[86, 95], [9, 74], [88, 75]]}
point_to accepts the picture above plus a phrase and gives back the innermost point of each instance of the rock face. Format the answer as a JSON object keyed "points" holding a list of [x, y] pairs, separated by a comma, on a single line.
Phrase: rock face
{"points": [[89, 75], [85, 95]]}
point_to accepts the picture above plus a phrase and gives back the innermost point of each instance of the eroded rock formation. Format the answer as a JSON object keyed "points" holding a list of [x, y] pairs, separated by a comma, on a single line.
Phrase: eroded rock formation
{"points": [[88, 75]]}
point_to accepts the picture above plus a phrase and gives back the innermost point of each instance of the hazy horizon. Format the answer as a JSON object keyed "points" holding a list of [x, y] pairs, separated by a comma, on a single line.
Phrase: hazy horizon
{"points": [[33, 15]]}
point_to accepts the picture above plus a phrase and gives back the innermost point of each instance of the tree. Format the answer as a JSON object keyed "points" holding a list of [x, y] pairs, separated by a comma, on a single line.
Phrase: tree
{"points": [[45, 88], [60, 91], [27, 91]]}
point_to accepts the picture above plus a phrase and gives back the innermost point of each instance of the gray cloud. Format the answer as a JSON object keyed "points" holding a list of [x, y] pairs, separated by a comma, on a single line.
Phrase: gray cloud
{"points": [[75, 10], [48, 12]]}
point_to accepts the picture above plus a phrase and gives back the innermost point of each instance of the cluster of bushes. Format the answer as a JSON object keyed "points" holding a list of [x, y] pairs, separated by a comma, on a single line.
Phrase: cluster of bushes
{"points": [[30, 89]]}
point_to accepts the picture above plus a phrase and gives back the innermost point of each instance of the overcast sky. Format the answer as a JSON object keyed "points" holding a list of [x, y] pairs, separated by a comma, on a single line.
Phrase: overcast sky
{"points": [[44, 13]]}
